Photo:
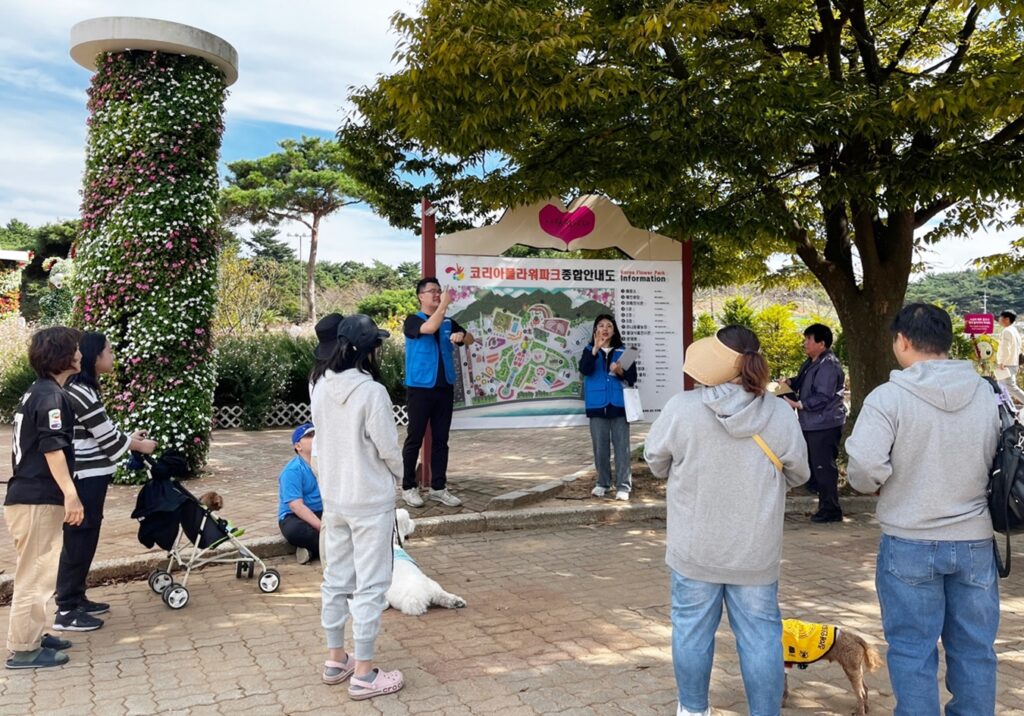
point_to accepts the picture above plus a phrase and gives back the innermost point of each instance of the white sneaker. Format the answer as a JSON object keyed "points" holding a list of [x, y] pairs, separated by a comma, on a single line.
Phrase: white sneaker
{"points": [[302, 556], [680, 711], [622, 495], [599, 491], [444, 497], [412, 497]]}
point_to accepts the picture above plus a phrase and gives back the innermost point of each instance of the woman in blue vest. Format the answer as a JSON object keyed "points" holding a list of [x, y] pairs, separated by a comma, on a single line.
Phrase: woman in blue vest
{"points": [[603, 381]]}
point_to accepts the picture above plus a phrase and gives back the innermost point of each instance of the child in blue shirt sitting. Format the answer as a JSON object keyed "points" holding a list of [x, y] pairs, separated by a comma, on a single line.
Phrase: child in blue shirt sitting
{"points": [[300, 507]]}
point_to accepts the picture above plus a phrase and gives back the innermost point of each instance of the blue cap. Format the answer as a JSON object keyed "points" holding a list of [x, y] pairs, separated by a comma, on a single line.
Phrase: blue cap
{"points": [[301, 432]]}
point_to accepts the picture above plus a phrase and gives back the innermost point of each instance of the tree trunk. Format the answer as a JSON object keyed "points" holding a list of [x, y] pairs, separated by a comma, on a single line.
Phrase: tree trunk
{"points": [[866, 309], [314, 235]]}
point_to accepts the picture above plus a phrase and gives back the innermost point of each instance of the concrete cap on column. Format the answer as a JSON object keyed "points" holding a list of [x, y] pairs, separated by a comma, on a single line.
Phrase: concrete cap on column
{"points": [[116, 34]]}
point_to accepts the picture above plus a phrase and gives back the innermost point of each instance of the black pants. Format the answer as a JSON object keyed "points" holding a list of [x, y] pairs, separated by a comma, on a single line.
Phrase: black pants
{"points": [[80, 543], [425, 406], [300, 533], [822, 451]]}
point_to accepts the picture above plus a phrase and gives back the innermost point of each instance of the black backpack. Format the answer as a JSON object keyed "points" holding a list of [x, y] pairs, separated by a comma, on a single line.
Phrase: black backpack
{"points": [[1006, 478]]}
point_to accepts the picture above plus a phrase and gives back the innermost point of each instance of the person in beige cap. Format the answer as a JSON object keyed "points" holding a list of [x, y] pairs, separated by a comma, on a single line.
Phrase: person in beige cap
{"points": [[730, 451]]}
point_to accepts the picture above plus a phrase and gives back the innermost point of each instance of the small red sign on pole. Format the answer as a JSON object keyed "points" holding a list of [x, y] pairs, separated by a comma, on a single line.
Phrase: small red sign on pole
{"points": [[977, 324]]}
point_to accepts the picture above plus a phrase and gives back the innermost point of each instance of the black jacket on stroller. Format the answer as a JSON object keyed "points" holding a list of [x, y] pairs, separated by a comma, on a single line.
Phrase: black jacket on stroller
{"points": [[160, 500]]}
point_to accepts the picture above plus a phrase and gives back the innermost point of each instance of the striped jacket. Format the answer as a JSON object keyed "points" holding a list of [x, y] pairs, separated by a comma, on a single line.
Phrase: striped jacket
{"points": [[98, 442]]}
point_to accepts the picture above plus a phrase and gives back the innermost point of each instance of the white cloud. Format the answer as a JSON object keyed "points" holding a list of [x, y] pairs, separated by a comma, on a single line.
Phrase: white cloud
{"points": [[355, 234]]}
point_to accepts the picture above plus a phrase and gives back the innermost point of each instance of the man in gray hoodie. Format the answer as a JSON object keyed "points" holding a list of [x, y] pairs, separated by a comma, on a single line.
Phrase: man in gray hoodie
{"points": [[925, 440]]}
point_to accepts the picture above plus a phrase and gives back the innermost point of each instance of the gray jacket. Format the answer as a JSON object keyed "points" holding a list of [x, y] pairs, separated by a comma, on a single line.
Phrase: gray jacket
{"points": [[726, 500], [927, 439]]}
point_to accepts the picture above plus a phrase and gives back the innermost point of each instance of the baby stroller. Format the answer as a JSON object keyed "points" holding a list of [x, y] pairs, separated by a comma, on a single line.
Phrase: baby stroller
{"points": [[170, 516]]}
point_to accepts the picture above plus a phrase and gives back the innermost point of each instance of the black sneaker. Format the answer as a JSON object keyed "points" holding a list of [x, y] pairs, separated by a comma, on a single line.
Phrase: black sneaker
{"points": [[76, 620], [94, 608], [824, 517], [50, 641]]}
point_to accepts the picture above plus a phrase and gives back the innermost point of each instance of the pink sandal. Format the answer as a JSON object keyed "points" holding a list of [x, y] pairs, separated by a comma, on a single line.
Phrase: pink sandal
{"points": [[383, 682], [337, 671]]}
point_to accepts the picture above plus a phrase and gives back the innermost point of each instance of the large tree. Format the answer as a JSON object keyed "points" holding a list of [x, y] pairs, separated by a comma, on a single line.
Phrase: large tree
{"points": [[833, 130], [304, 182]]}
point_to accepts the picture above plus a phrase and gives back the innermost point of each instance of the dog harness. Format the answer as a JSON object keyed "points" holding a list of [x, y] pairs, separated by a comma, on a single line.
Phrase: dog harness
{"points": [[401, 554], [804, 643]]}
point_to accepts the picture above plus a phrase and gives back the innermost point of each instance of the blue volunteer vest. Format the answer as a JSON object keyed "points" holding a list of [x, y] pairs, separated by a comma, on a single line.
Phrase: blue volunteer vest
{"points": [[601, 387], [421, 356]]}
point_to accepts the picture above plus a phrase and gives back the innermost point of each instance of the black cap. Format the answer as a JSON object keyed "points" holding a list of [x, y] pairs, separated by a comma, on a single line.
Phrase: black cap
{"points": [[327, 333], [360, 330]]}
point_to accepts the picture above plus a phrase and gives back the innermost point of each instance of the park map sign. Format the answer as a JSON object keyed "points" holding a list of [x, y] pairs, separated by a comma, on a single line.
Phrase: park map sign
{"points": [[533, 317]]}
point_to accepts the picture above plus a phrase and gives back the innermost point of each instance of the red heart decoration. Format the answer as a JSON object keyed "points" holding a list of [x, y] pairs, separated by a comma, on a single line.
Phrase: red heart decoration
{"points": [[565, 225]]}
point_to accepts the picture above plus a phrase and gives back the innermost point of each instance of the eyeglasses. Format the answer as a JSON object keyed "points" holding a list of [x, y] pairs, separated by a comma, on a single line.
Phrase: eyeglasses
{"points": [[432, 290]]}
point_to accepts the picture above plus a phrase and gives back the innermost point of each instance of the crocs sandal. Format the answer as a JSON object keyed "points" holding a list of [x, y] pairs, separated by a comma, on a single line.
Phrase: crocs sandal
{"points": [[336, 671], [383, 682], [44, 659]]}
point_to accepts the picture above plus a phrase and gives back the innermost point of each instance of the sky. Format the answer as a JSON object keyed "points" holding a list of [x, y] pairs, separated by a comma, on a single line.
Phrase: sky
{"points": [[297, 62]]}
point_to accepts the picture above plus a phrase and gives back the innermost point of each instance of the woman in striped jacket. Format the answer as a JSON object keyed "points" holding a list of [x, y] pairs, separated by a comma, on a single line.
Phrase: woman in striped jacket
{"points": [[99, 445]]}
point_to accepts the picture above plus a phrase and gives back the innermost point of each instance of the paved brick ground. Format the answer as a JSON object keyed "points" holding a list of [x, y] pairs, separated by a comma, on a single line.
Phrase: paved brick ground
{"points": [[244, 467], [569, 621]]}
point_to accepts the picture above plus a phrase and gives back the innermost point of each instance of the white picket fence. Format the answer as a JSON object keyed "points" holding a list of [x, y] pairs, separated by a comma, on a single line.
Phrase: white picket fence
{"points": [[281, 415]]}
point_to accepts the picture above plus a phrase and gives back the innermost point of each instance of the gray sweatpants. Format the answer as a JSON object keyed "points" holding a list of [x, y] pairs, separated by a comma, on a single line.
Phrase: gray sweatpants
{"points": [[357, 559], [1011, 385]]}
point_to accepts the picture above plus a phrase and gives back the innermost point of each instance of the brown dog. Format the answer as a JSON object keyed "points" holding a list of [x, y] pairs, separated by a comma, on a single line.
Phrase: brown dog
{"points": [[211, 501], [833, 644]]}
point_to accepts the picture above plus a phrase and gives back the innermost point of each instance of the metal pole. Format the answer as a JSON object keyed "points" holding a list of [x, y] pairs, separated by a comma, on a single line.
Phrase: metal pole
{"points": [[428, 267], [687, 259]]}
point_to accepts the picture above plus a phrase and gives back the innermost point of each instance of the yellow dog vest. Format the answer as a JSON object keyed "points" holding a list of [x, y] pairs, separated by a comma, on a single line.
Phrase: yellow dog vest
{"points": [[805, 643]]}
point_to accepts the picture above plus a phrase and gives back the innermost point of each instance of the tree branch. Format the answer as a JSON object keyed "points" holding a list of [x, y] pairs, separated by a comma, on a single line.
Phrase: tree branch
{"points": [[1010, 131], [864, 39], [676, 63], [963, 40], [909, 39], [830, 35], [926, 213]]}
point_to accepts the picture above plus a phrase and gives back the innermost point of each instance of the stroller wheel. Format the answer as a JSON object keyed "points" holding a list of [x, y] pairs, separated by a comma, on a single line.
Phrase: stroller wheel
{"points": [[270, 580], [159, 581], [175, 596], [240, 570]]}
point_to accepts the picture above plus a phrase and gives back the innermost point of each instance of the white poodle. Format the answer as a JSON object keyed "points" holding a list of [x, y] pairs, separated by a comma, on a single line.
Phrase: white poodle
{"points": [[411, 591]]}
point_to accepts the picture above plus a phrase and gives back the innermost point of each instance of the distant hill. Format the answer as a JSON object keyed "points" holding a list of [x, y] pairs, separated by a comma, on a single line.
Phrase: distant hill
{"points": [[967, 290]]}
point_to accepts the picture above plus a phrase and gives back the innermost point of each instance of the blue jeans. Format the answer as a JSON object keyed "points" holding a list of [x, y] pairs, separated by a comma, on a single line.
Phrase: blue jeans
{"points": [[757, 624], [931, 590], [615, 431]]}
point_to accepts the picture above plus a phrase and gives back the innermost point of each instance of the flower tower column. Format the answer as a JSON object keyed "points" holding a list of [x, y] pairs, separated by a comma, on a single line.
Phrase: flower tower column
{"points": [[146, 258]]}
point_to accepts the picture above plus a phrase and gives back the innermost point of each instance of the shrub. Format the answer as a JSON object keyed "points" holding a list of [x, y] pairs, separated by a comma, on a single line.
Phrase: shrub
{"points": [[251, 373], [391, 358], [705, 327], [392, 302], [16, 375], [781, 341], [296, 355]]}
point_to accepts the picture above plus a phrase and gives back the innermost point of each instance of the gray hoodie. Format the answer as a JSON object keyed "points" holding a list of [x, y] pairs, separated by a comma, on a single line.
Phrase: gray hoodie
{"points": [[358, 456], [927, 439], [726, 499]]}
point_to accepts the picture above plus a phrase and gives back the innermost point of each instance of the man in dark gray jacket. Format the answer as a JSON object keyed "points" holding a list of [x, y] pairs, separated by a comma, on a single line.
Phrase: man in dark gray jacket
{"points": [[926, 440], [819, 403]]}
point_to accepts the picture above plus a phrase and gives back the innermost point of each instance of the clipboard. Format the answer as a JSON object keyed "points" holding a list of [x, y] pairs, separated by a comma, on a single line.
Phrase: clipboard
{"points": [[628, 358]]}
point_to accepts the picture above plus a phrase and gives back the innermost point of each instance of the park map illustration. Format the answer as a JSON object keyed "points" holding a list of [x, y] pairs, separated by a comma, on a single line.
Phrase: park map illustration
{"points": [[529, 342]]}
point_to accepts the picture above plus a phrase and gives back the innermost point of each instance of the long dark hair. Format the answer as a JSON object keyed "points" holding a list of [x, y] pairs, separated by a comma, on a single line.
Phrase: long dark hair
{"points": [[319, 368], [91, 344], [616, 341], [346, 357], [754, 371]]}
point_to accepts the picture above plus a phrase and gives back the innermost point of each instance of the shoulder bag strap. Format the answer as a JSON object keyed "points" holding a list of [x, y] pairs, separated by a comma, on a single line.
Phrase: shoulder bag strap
{"points": [[768, 451]]}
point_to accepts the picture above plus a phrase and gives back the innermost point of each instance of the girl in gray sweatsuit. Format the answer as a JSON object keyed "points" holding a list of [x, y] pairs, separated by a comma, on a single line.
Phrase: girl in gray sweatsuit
{"points": [[726, 502], [359, 459]]}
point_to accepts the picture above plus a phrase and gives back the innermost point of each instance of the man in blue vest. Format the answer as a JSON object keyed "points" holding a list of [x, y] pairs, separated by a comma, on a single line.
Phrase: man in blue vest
{"points": [[430, 340]]}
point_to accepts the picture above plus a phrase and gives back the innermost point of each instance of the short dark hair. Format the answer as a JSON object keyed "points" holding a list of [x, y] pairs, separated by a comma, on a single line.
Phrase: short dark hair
{"points": [[928, 328], [424, 282], [1009, 316], [820, 333], [52, 350], [616, 341]]}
